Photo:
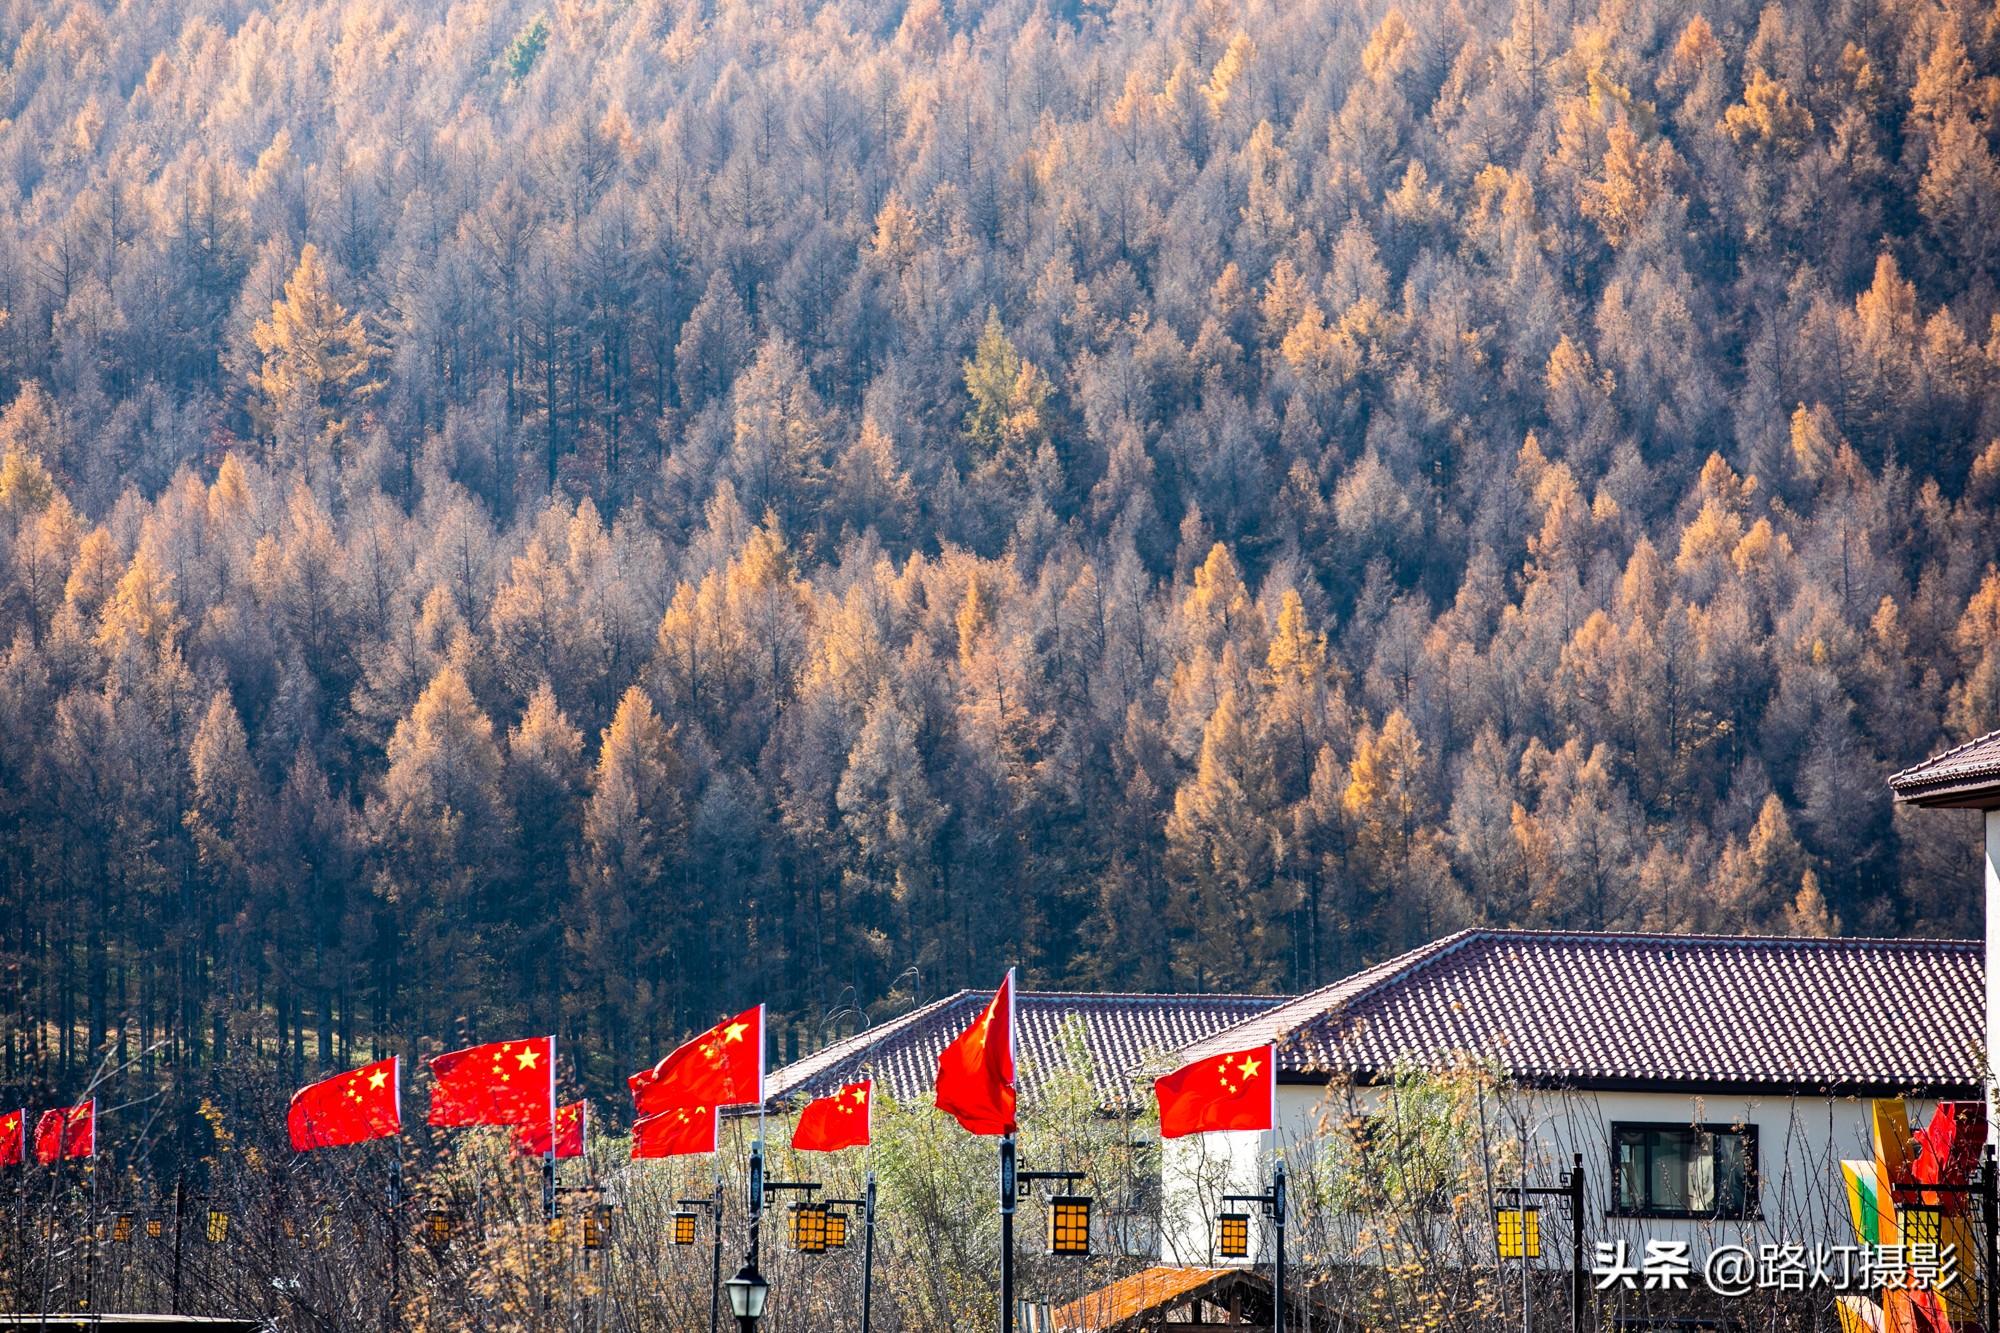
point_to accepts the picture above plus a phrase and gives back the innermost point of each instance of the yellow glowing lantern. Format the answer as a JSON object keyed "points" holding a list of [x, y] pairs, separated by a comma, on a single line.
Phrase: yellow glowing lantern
{"points": [[1232, 1235], [1520, 1232]]}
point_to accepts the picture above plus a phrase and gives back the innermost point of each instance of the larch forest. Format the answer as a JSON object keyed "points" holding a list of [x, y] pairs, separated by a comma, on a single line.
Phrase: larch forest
{"points": [[583, 518]]}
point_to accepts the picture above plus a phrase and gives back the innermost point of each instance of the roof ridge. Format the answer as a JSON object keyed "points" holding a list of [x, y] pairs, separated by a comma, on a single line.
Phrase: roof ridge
{"points": [[1714, 937]]}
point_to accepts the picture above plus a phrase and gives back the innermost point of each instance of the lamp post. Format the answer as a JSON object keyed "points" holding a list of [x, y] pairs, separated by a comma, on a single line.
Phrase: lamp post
{"points": [[1010, 1179], [747, 1293], [866, 1204], [1517, 1231], [1274, 1208], [714, 1207]]}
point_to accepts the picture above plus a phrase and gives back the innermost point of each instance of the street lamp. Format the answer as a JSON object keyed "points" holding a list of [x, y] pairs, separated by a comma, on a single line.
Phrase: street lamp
{"points": [[809, 1228], [1232, 1235], [1519, 1232], [683, 1228], [1069, 1224], [836, 1231], [747, 1291]]}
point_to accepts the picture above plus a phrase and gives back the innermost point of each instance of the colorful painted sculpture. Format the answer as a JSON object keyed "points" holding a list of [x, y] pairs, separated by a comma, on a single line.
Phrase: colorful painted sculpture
{"points": [[1889, 1206]]}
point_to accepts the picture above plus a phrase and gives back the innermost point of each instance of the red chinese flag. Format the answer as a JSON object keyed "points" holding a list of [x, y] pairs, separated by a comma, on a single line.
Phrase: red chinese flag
{"points": [[724, 1066], [1947, 1150], [14, 1137], [975, 1079], [354, 1107], [1237, 1090], [571, 1124], [681, 1132], [828, 1124], [69, 1131], [500, 1083]]}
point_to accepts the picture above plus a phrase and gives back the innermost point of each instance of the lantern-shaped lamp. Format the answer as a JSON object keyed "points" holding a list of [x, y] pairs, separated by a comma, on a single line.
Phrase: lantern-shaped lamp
{"points": [[809, 1228], [596, 1226], [1069, 1224], [1232, 1235], [437, 1224], [683, 1228], [218, 1226], [121, 1230], [1921, 1224], [155, 1228], [836, 1231], [1519, 1231]]}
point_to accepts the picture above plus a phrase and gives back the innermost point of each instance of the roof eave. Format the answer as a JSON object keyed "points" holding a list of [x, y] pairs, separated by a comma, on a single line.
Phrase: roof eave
{"points": [[1972, 794]]}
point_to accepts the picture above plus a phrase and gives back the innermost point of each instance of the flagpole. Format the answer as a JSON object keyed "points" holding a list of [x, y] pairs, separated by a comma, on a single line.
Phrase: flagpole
{"points": [[549, 1162]]}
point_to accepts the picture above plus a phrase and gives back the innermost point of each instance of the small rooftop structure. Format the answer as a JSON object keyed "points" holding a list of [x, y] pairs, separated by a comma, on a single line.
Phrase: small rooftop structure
{"points": [[1119, 1033], [1966, 777], [1185, 1298], [1601, 1011]]}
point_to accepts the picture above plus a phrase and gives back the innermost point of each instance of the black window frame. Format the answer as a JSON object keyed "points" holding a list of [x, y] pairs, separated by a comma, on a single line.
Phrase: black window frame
{"points": [[1753, 1208]]}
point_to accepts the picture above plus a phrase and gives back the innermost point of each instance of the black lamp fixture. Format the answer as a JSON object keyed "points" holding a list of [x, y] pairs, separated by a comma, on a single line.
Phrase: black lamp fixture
{"points": [[747, 1293], [218, 1226], [1232, 1235], [836, 1231], [809, 1228], [1069, 1225], [684, 1228]]}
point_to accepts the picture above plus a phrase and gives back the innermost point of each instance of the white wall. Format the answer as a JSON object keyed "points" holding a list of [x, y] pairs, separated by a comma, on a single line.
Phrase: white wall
{"points": [[1800, 1145]]}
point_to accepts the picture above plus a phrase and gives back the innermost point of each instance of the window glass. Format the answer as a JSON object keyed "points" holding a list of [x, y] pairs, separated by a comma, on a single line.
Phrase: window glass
{"points": [[1676, 1171]]}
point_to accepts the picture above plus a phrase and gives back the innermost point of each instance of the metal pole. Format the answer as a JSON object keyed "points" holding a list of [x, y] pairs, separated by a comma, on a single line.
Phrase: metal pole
{"points": [[90, 1230], [1989, 1200], [867, 1250], [715, 1276], [1278, 1268], [1006, 1233], [395, 1238], [1576, 1243], [180, 1206], [1521, 1202], [756, 1194]]}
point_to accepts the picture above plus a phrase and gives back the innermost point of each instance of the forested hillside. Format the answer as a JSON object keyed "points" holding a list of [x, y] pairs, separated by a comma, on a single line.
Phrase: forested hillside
{"points": [[590, 517]]}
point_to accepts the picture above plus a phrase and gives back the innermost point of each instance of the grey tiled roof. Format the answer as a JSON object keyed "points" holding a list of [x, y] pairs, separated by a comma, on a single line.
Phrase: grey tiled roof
{"points": [[1574, 1009], [1120, 1033], [1966, 775]]}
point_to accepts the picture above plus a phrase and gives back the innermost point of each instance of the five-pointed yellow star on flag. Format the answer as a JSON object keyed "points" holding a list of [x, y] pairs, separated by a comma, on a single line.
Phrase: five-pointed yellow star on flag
{"points": [[528, 1057], [735, 1031], [1251, 1066], [378, 1078]]}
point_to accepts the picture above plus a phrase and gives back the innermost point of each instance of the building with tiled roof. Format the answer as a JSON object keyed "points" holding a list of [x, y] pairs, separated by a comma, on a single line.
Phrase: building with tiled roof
{"points": [[1605, 1011], [1116, 1034], [1709, 1086]]}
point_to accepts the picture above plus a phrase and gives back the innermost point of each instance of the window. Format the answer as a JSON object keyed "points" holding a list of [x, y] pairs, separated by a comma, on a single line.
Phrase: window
{"points": [[1685, 1170]]}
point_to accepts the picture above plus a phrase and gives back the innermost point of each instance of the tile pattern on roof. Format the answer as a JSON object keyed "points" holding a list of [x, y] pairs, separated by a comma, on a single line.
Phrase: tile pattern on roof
{"points": [[1120, 1033], [1582, 1009], [1130, 1297], [1971, 763]]}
